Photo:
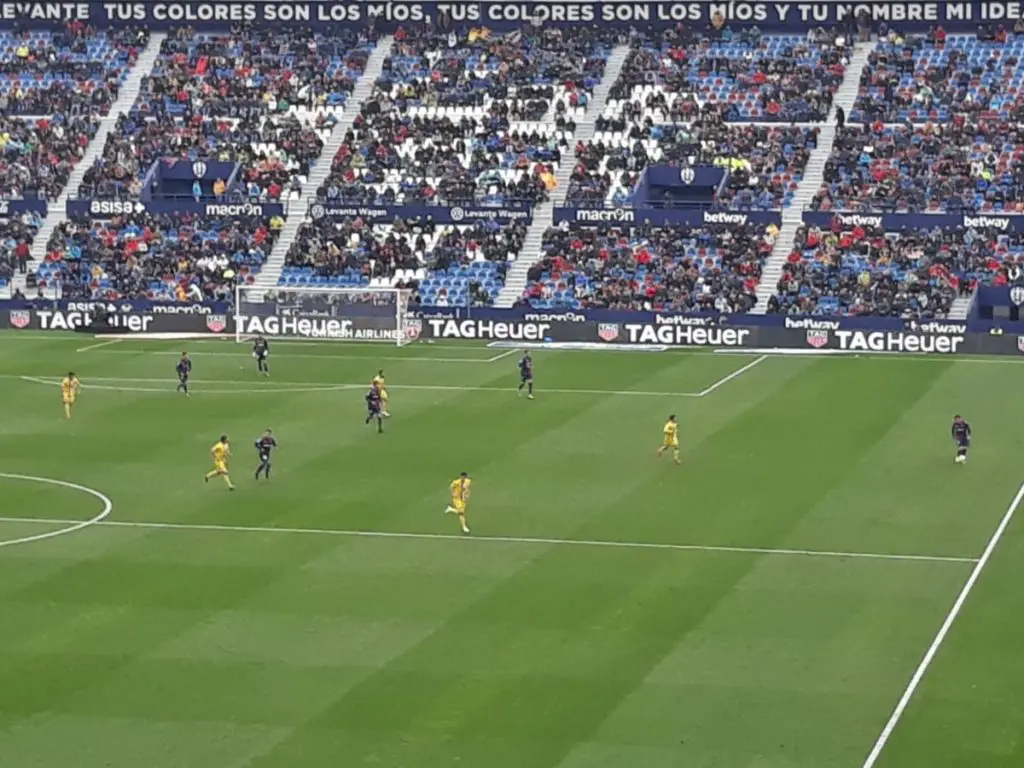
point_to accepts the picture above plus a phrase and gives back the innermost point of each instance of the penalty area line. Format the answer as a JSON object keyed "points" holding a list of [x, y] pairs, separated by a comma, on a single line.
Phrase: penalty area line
{"points": [[593, 543], [502, 356], [940, 637], [735, 374]]}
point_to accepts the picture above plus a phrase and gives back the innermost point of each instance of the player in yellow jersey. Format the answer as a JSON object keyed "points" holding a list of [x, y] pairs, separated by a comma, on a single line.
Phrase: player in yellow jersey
{"points": [[671, 440], [220, 453], [69, 392], [378, 381], [460, 498]]}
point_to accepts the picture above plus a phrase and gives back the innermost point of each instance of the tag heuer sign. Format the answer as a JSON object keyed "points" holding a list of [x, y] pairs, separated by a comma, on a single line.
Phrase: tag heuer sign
{"points": [[216, 323], [817, 339], [608, 331], [20, 318], [413, 329], [687, 175], [1017, 294]]}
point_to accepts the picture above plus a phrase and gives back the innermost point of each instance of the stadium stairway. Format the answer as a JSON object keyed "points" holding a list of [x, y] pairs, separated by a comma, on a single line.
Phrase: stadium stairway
{"points": [[57, 209], [962, 307], [543, 215], [296, 215], [792, 217]]}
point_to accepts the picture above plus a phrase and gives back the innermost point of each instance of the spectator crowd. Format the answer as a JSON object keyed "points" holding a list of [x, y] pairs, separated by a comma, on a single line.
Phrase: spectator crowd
{"points": [[675, 72], [911, 274], [955, 166], [260, 97], [765, 163], [936, 77], [76, 71], [159, 257], [710, 268], [455, 265], [473, 118]]}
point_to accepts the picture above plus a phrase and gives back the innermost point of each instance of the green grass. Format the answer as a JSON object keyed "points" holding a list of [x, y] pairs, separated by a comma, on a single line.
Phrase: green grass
{"points": [[224, 643]]}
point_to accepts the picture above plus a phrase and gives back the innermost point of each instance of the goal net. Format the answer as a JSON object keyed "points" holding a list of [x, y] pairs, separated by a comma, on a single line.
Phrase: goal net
{"points": [[336, 314]]}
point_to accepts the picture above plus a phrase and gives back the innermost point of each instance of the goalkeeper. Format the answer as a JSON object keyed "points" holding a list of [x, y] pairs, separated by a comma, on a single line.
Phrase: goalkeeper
{"points": [[261, 351]]}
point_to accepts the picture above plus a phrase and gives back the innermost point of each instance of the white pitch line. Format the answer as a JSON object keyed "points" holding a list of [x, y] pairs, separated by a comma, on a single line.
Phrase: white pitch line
{"points": [[940, 637], [100, 344], [731, 376], [502, 356], [73, 525], [320, 386], [508, 540], [302, 356], [167, 390]]}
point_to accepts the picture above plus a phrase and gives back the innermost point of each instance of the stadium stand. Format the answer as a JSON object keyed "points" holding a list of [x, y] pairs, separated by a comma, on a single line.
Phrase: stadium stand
{"points": [[673, 74], [37, 156], [682, 269], [766, 163], [455, 265], [73, 72], [909, 274], [260, 97], [938, 77], [961, 165], [16, 235], [474, 120], [158, 257]]}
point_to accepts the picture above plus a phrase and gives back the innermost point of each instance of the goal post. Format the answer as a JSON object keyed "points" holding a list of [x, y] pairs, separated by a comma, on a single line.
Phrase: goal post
{"points": [[325, 314]]}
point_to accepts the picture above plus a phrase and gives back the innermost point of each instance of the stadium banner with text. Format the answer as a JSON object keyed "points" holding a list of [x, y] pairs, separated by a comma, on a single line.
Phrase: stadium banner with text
{"points": [[386, 16], [721, 336], [664, 217], [830, 323], [17, 207], [440, 214], [940, 338], [569, 316], [894, 222], [120, 317], [104, 209]]}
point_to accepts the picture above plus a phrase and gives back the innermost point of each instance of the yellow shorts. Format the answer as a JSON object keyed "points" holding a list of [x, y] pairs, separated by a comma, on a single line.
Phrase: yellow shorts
{"points": [[220, 466], [69, 401], [672, 443], [459, 506], [383, 395]]}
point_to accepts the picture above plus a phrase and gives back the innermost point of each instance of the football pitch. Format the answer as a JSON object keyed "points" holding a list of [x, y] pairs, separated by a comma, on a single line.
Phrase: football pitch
{"points": [[817, 586]]}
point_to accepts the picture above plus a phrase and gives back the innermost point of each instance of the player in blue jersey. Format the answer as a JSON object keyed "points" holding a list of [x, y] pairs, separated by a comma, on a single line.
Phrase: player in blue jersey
{"points": [[373, 407], [184, 370], [961, 432], [526, 375], [264, 447]]}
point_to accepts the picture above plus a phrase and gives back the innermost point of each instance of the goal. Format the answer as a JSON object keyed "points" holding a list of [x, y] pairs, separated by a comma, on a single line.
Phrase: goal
{"points": [[335, 314]]}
